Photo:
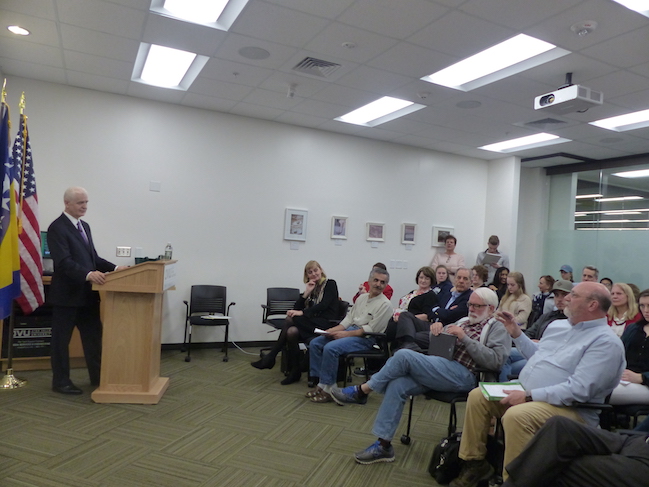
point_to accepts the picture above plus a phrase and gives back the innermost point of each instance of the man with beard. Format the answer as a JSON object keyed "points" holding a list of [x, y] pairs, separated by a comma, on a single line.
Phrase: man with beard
{"points": [[482, 341], [577, 360]]}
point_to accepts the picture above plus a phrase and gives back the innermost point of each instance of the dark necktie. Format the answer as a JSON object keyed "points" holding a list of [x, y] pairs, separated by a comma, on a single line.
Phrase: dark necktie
{"points": [[83, 234]]}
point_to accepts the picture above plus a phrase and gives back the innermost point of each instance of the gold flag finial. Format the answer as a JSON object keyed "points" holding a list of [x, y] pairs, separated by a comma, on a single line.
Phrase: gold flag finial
{"points": [[4, 90], [21, 105]]}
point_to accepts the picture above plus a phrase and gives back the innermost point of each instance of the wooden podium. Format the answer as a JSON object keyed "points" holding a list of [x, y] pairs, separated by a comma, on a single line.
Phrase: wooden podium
{"points": [[132, 312]]}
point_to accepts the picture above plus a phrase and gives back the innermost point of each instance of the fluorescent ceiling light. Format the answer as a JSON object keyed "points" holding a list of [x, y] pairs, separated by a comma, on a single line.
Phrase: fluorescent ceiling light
{"points": [[620, 198], [512, 56], [218, 14], [640, 6], [583, 196], [166, 67], [16, 29], [622, 123], [380, 111], [523, 143], [614, 221], [640, 173], [615, 213], [609, 212]]}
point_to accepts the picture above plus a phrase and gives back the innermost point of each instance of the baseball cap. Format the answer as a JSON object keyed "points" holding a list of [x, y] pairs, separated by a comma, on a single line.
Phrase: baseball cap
{"points": [[566, 268], [562, 285]]}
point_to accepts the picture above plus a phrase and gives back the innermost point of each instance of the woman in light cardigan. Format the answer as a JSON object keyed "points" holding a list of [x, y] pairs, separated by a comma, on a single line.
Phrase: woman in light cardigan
{"points": [[516, 300], [449, 258]]}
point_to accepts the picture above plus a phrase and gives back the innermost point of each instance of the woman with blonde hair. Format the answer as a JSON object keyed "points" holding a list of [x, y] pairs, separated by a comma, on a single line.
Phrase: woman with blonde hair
{"points": [[624, 309], [315, 307], [516, 300]]}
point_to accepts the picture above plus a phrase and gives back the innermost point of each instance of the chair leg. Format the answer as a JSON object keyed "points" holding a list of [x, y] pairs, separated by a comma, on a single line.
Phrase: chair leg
{"points": [[184, 346], [405, 439], [225, 343], [452, 420], [188, 358]]}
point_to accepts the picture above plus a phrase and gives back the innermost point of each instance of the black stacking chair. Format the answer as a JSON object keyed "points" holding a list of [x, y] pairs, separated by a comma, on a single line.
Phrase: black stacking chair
{"points": [[278, 301], [206, 308], [380, 351]]}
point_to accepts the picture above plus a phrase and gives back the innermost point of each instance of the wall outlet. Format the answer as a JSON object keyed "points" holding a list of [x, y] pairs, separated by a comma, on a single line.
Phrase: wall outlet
{"points": [[123, 251]]}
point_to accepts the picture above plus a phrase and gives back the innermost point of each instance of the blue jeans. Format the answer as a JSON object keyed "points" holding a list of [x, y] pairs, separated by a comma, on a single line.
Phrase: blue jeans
{"points": [[513, 365], [324, 353], [410, 373]]}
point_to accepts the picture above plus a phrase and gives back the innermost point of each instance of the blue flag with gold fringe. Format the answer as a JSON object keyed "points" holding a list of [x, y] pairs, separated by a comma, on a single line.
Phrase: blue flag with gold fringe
{"points": [[9, 255]]}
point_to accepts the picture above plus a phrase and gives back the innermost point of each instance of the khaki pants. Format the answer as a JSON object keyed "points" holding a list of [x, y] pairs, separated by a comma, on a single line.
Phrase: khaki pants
{"points": [[519, 422]]}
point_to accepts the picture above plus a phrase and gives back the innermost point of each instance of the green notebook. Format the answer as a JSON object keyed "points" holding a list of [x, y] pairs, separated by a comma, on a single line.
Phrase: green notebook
{"points": [[493, 391]]}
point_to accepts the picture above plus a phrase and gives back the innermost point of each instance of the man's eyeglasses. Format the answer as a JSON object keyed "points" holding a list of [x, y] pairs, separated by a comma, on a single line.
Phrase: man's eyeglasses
{"points": [[477, 306]]}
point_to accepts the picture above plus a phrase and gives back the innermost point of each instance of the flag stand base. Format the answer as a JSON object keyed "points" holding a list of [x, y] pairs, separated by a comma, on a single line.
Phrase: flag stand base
{"points": [[10, 382]]}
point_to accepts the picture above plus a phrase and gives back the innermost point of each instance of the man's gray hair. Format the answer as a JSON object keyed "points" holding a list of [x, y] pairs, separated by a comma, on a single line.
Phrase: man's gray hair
{"points": [[591, 268], [71, 192], [378, 270], [487, 295], [463, 269]]}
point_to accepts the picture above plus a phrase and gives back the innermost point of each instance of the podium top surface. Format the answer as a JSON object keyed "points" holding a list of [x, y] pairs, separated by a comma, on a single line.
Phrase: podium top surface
{"points": [[149, 277]]}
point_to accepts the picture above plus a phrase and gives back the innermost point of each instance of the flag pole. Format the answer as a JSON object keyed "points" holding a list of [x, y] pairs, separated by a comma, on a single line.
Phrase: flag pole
{"points": [[9, 381]]}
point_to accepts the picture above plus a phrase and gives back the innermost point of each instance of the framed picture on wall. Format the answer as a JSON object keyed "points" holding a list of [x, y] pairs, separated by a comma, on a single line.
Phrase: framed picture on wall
{"points": [[439, 234], [408, 231], [339, 227], [375, 232], [295, 224]]}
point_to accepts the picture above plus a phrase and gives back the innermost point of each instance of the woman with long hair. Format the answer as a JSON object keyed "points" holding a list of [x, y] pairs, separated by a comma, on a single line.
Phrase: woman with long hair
{"points": [[516, 300], [315, 307], [499, 283], [624, 309]]}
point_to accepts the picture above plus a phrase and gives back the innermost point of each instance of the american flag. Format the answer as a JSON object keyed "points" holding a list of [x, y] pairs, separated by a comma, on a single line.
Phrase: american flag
{"points": [[31, 262]]}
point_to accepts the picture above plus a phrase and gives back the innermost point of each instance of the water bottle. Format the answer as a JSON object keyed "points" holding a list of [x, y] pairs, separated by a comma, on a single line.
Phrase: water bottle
{"points": [[168, 251]]}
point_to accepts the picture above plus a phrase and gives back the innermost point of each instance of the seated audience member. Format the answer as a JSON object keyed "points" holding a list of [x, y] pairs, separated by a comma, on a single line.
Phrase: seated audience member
{"points": [[452, 260], [515, 362], [607, 282], [481, 341], [443, 284], [315, 307], [566, 273], [413, 333], [635, 389], [636, 291], [589, 274], [499, 282], [479, 276], [623, 310], [492, 248], [565, 453], [418, 301], [370, 314], [515, 300], [365, 287], [539, 299], [578, 359]]}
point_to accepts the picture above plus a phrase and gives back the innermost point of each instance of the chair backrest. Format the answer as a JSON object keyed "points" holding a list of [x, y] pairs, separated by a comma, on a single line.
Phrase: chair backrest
{"points": [[207, 299], [280, 299], [343, 308]]}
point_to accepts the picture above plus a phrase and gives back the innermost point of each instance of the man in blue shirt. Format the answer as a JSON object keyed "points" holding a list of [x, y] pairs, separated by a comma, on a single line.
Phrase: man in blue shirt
{"points": [[577, 360]]}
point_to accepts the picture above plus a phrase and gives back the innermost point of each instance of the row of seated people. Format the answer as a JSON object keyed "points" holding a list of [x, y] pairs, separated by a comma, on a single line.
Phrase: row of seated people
{"points": [[578, 359]]}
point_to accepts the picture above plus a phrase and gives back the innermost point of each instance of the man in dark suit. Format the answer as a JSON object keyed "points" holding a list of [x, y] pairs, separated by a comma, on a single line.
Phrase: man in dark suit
{"points": [[76, 268], [414, 333]]}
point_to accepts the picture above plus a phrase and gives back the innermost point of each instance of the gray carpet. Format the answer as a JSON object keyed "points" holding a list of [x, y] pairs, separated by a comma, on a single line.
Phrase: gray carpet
{"points": [[218, 424]]}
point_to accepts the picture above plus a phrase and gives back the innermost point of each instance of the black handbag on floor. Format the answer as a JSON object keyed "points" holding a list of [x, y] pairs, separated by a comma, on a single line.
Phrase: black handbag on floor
{"points": [[445, 463]]}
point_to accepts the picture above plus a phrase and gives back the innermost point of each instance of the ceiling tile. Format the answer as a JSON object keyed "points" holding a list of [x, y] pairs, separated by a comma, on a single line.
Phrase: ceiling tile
{"points": [[102, 16], [185, 36], [100, 66], [219, 89], [329, 10], [94, 82], [516, 15], [98, 43]]}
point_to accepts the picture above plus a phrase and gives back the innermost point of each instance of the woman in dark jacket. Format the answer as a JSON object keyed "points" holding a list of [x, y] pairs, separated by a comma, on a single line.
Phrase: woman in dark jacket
{"points": [[317, 305]]}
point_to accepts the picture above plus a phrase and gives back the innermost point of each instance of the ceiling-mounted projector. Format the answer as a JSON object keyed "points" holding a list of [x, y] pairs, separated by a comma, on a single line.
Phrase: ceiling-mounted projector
{"points": [[573, 98], [569, 98]]}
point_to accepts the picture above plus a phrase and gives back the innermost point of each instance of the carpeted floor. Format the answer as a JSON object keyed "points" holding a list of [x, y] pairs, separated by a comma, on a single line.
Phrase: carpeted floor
{"points": [[218, 424]]}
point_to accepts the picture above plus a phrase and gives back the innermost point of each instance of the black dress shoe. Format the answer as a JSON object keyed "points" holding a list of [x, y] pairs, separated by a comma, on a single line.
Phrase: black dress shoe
{"points": [[69, 389]]}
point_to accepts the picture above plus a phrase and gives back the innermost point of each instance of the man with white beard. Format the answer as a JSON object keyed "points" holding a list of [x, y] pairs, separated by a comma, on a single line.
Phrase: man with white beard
{"points": [[482, 341]]}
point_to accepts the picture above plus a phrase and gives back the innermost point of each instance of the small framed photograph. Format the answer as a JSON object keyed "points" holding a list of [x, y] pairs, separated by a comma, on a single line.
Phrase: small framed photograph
{"points": [[295, 224], [375, 232], [408, 231], [339, 227], [440, 234]]}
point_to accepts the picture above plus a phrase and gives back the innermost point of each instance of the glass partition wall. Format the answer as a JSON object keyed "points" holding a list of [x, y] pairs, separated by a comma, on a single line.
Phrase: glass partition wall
{"points": [[600, 217]]}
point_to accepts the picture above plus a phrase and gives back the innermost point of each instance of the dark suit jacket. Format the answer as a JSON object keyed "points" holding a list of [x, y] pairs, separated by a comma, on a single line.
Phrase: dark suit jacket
{"points": [[73, 260], [449, 316]]}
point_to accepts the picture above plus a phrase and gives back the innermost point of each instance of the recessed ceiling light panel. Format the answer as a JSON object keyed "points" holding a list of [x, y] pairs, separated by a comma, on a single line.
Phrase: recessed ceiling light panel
{"points": [[640, 173], [524, 143], [218, 14], [380, 111], [167, 67], [622, 123], [512, 56]]}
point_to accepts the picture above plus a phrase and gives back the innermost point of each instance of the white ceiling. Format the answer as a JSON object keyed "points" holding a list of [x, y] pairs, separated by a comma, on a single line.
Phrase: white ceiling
{"points": [[93, 44]]}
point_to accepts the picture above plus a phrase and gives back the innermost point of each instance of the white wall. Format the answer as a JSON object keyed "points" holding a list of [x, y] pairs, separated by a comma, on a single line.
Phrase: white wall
{"points": [[226, 181]]}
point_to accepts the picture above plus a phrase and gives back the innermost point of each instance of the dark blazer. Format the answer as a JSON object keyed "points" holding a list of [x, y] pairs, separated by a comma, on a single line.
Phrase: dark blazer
{"points": [[449, 316], [73, 260]]}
